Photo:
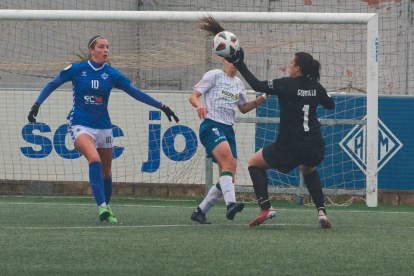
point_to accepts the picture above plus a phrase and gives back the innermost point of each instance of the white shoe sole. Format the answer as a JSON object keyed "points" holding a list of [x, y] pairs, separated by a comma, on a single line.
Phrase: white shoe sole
{"points": [[323, 220]]}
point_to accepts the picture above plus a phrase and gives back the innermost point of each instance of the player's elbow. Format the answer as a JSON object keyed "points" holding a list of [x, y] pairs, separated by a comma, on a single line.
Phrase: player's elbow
{"points": [[330, 106], [243, 109], [329, 103]]}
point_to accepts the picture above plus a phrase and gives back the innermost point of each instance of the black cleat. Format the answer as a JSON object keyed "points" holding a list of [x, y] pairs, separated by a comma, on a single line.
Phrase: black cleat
{"points": [[232, 209], [199, 216]]}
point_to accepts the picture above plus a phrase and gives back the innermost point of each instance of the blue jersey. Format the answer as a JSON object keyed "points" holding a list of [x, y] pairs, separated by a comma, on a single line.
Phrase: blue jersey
{"points": [[91, 89]]}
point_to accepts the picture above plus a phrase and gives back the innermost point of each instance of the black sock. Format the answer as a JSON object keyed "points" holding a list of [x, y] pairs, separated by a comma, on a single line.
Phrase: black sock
{"points": [[259, 179], [198, 210], [322, 209], [313, 183]]}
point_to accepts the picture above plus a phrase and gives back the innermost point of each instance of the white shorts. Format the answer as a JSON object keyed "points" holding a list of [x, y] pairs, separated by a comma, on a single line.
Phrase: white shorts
{"points": [[103, 137]]}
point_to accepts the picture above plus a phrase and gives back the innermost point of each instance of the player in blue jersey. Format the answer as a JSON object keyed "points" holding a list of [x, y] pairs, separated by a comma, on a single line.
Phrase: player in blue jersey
{"points": [[89, 124]]}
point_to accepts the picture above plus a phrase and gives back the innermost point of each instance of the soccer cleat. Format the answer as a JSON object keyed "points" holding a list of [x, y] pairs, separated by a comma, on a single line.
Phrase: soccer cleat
{"points": [[233, 209], [104, 214], [199, 216], [323, 220], [263, 215], [111, 217]]}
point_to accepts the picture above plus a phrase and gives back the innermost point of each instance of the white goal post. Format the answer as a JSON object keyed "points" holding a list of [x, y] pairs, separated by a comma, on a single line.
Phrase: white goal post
{"points": [[370, 20]]}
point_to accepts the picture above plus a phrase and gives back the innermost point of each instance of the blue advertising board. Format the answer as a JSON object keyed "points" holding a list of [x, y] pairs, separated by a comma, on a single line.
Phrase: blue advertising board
{"points": [[345, 156]]}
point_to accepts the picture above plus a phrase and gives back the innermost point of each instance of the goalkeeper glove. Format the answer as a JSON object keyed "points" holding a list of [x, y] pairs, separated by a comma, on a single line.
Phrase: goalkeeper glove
{"points": [[33, 113], [237, 58], [169, 113]]}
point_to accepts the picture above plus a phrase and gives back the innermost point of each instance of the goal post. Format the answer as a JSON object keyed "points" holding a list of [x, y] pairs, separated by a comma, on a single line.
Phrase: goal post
{"points": [[161, 52], [372, 111]]}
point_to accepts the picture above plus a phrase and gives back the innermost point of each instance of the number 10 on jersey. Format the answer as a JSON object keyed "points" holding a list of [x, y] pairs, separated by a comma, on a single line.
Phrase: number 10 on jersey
{"points": [[95, 84]]}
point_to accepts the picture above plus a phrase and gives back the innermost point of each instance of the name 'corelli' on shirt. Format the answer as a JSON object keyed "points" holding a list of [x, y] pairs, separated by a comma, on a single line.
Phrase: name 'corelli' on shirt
{"points": [[306, 93]]}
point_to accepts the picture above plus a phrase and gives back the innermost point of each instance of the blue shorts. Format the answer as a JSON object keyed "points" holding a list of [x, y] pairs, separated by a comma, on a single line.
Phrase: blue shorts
{"points": [[213, 133]]}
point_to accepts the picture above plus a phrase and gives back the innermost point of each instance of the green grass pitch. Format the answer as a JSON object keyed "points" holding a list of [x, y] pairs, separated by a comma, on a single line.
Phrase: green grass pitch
{"points": [[155, 236]]}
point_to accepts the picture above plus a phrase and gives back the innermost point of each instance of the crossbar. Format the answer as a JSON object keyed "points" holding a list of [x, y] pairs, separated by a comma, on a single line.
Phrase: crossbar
{"points": [[234, 17]]}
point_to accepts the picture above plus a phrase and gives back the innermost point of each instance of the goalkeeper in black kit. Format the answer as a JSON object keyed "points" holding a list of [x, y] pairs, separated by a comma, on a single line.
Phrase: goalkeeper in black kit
{"points": [[299, 142]]}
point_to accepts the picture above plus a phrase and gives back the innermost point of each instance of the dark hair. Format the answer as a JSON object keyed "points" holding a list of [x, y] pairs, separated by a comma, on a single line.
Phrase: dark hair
{"points": [[310, 67], [92, 41], [91, 45], [210, 26]]}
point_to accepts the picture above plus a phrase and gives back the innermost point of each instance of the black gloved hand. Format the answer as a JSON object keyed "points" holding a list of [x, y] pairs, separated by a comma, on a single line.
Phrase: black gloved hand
{"points": [[238, 58], [33, 113], [169, 113]]}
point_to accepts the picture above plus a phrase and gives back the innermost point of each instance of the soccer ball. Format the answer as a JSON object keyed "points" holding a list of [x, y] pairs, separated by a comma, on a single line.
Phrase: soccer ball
{"points": [[225, 44]]}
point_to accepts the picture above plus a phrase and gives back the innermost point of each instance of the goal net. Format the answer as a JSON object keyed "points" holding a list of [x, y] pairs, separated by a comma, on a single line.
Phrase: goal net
{"points": [[165, 55]]}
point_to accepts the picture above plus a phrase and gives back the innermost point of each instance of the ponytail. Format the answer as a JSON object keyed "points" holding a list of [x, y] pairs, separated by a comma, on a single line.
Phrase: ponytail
{"points": [[315, 68], [310, 67]]}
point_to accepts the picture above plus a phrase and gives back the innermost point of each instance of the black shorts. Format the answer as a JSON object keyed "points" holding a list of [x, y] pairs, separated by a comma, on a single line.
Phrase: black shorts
{"points": [[284, 159]]}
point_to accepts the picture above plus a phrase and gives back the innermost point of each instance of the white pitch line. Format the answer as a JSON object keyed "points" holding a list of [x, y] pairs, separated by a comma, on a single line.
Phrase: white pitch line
{"points": [[89, 205], [314, 226], [91, 197], [193, 207], [141, 226], [94, 227]]}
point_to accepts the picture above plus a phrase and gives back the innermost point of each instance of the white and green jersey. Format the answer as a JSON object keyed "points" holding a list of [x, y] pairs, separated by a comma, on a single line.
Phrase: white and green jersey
{"points": [[222, 94]]}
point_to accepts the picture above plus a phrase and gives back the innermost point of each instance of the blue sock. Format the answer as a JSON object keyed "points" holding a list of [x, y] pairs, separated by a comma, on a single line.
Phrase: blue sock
{"points": [[108, 189], [97, 185]]}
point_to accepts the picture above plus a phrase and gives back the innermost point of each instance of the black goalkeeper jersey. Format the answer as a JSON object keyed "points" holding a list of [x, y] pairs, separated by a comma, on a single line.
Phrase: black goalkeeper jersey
{"points": [[298, 100]]}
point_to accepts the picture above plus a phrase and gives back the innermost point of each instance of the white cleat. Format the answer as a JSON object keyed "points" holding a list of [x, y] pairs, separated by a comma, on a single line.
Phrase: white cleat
{"points": [[323, 220]]}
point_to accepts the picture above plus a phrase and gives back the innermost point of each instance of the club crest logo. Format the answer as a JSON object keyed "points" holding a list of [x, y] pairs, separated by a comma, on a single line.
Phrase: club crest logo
{"points": [[104, 76], [215, 130], [200, 83]]}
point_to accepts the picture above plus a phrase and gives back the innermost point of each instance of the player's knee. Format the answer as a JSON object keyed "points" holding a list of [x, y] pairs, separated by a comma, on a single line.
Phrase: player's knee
{"points": [[252, 162], [305, 170], [229, 164], [106, 174], [93, 158], [233, 164]]}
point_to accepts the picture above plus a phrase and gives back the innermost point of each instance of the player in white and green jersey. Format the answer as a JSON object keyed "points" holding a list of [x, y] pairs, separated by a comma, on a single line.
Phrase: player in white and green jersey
{"points": [[222, 92]]}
